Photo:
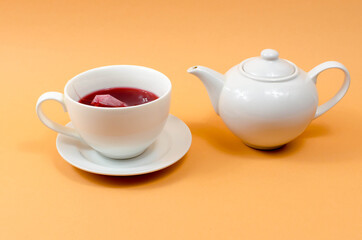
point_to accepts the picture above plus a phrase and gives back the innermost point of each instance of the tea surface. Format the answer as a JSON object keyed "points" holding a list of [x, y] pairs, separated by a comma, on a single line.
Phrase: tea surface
{"points": [[118, 97]]}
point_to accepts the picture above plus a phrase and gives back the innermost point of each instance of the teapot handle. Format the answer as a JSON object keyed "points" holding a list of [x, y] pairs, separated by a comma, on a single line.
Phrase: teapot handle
{"points": [[313, 74]]}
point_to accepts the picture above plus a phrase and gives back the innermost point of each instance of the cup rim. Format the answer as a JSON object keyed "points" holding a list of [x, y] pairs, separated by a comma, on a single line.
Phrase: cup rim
{"points": [[160, 98]]}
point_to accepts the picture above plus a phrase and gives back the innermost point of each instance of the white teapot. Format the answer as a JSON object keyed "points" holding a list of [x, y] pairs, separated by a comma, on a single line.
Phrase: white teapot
{"points": [[267, 101]]}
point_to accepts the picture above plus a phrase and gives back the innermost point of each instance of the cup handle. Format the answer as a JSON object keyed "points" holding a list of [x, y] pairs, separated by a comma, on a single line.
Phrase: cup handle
{"points": [[313, 74], [59, 97]]}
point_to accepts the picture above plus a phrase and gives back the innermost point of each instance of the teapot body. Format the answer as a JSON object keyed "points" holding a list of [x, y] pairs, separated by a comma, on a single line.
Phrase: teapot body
{"points": [[264, 114]]}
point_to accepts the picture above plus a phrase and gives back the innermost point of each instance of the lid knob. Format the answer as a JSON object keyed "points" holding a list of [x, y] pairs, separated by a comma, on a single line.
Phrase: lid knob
{"points": [[269, 54]]}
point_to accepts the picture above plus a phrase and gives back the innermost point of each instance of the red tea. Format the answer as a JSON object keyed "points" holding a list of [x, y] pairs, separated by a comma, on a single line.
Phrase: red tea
{"points": [[118, 97]]}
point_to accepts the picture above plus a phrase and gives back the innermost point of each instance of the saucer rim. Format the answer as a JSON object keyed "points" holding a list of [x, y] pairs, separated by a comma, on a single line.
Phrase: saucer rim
{"points": [[156, 167]]}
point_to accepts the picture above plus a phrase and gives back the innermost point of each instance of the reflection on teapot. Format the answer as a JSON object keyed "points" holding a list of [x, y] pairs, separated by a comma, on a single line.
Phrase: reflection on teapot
{"points": [[267, 101]]}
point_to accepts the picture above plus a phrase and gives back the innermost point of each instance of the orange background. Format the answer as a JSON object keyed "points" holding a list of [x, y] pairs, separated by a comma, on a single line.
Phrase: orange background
{"points": [[310, 189]]}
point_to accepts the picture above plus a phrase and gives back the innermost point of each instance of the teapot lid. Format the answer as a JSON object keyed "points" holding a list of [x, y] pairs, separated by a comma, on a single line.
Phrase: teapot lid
{"points": [[268, 66]]}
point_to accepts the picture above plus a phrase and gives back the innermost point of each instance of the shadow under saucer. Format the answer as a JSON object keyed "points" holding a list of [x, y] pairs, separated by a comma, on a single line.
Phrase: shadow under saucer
{"points": [[129, 181]]}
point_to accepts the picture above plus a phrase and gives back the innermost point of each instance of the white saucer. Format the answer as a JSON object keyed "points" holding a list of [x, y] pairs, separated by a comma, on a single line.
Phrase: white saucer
{"points": [[171, 146]]}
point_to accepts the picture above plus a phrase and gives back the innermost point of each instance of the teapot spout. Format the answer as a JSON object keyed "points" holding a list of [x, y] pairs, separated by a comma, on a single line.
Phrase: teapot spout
{"points": [[213, 82]]}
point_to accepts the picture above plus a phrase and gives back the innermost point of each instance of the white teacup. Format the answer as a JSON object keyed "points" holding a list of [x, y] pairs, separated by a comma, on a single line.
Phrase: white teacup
{"points": [[122, 132]]}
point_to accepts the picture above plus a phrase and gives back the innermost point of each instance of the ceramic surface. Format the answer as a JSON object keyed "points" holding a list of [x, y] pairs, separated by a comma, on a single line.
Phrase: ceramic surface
{"points": [[268, 101], [114, 132], [171, 145]]}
